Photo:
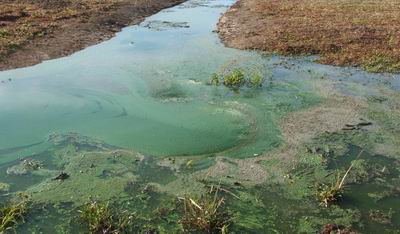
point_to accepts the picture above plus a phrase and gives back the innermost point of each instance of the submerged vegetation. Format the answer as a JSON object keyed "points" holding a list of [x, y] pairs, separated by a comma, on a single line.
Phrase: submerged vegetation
{"points": [[13, 213]]}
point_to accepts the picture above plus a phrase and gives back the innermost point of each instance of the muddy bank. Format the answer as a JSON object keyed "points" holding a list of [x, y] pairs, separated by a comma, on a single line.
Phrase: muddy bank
{"points": [[344, 33], [33, 31]]}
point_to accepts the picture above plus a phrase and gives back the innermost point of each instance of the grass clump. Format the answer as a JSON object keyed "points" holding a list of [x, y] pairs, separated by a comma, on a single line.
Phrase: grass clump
{"points": [[214, 79], [99, 218], [13, 213], [256, 80], [381, 63], [4, 187], [237, 78], [205, 215], [329, 194]]}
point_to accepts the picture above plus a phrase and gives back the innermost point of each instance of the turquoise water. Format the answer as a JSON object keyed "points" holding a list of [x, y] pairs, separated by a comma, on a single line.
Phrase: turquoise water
{"points": [[145, 89], [134, 91]]}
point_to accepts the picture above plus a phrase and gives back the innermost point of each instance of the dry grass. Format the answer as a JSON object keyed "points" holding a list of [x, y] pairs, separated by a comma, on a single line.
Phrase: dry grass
{"points": [[344, 32], [23, 20], [32, 31]]}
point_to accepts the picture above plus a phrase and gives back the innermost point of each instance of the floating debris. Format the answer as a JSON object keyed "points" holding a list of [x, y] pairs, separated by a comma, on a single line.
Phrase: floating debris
{"points": [[356, 126], [61, 176], [159, 25]]}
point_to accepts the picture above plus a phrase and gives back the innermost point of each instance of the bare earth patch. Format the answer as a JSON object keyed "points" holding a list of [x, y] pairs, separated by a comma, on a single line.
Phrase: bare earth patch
{"points": [[33, 31], [362, 33]]}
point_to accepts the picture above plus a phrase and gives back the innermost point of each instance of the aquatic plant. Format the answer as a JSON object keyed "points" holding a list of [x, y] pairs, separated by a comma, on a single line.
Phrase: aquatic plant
{"points": [[4, 187], [206, 214], [235, 79], [335, 229], [189, 164], [99, 218], [329, 194], [144, 192], [381, 217], [13, 213], [214, 79], [256, 80]]}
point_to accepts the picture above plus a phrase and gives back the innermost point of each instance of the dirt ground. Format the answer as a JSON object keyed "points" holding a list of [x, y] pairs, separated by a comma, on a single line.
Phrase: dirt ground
{"points": [[362, 33], [35, 30]]}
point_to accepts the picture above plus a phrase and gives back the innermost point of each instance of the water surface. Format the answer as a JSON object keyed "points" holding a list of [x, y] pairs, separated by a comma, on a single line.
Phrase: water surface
{"points": [[147, 90]]}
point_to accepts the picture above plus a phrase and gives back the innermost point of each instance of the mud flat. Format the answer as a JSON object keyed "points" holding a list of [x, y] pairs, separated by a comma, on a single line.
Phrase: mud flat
{"points": [[33, 31], [344, 33]]}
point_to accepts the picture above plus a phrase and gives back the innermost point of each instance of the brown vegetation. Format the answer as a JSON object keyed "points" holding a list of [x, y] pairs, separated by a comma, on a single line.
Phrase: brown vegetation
{"points": [[362, 33], [36, 30], [205, 215]]}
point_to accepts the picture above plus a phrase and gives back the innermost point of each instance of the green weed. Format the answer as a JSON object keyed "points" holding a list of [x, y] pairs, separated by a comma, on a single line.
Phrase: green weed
{"points": [[13, 213], [99, 218], [206, 215], [328, 194]]}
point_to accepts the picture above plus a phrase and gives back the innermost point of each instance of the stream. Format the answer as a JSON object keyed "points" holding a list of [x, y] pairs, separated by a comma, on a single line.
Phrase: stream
{"points": [[139, 109]]}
